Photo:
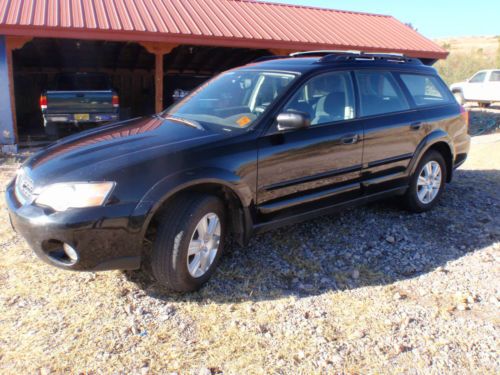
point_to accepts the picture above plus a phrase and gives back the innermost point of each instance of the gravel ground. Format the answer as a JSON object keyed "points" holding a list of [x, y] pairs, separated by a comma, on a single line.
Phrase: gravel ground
{"points": [[370, 290]]}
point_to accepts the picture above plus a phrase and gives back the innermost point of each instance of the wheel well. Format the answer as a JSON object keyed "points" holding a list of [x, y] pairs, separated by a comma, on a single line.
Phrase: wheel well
{"points": [[234, 209], [445, 151]]}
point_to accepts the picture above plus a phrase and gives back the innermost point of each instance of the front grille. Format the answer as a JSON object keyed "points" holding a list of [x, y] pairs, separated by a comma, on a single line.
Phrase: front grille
{"points": [[24, 187]]}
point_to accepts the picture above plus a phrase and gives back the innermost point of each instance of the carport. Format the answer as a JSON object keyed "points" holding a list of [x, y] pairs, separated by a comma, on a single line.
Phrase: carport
{"points": [[151, 48]]}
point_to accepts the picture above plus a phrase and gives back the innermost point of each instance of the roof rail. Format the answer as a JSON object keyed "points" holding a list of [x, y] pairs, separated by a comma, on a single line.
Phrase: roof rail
{"points": [[321, 53], [327, 56], [389, 57]]}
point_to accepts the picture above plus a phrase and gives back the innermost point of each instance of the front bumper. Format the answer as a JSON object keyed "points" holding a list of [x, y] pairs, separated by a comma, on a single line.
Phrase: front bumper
{"points": [[104, 237]]}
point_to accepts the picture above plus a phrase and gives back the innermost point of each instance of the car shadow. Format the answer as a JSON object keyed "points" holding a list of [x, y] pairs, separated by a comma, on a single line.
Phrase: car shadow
{"points": [[484, 121], [378, 244]]}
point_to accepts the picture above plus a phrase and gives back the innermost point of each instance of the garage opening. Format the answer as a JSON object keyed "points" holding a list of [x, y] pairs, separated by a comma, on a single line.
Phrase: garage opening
{"points": [[130, 67]]}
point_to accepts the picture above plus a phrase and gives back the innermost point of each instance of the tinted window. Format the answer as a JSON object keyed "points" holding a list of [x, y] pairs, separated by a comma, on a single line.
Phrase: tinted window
{"points": [[479, 77], [425, 90], [325, 98], [495, 76], [79, 81], [379, 93]]}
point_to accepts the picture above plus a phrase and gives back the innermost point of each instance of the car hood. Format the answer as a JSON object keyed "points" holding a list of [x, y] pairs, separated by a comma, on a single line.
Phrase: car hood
{"points": [[130, 139]]}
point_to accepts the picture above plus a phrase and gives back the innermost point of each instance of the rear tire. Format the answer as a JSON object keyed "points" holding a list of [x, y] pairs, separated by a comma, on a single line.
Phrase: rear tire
{"points": [[52, 130], [180, 244], [427, 183]]}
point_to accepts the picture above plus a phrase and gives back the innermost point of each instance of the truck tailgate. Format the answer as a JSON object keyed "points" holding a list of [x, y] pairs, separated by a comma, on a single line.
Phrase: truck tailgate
{"points": [[69, 102]]}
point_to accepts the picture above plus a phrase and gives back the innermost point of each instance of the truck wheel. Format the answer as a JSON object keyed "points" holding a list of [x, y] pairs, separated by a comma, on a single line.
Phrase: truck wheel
{"points": [[52, 129], [427, 183], [459, 97], [189, 242], [484, 105]]}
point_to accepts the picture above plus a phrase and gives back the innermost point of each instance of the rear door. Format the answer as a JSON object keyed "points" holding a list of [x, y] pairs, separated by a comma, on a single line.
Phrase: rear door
{"points": [[392, 129], [315, 163]]}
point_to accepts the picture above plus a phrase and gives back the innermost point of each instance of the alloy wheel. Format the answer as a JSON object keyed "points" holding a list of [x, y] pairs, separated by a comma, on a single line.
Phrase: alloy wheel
{"points": [[204, 245], [429, 182]]}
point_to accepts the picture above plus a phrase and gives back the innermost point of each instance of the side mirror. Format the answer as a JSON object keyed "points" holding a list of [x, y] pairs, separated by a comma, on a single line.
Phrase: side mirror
{"points": [[293, 121]]}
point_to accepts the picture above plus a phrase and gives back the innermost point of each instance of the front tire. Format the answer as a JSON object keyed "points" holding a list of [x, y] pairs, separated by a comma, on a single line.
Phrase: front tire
{"points": [[427, 183], [189, 242]]}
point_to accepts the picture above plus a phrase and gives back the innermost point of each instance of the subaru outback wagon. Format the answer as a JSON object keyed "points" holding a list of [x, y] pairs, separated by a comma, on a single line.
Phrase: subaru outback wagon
{"points": [[269, 144]]}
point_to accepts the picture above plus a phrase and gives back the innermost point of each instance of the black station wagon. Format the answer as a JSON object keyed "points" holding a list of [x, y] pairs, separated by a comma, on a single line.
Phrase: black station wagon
{"points": [[268, 144]]}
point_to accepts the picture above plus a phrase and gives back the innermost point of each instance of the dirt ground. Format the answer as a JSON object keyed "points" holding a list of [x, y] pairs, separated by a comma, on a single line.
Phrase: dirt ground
{"points": [[370, 290]]}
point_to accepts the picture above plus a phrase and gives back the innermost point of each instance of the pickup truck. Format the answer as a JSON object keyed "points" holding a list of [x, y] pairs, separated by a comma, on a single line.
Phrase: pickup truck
{"points": [[483, 87], [78, 99]]}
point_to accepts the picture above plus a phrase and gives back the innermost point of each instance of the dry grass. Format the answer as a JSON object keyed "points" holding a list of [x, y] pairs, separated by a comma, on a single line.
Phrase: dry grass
{"points": [[63, 322]]}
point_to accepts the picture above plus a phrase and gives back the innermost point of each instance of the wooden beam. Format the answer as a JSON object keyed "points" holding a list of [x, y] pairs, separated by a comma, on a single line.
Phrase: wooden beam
{"points": [[281, 52], [159, 50]]}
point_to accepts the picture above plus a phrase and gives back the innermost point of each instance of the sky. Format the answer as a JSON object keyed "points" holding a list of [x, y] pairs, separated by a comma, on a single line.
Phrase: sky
{"points": [[432, 18]]}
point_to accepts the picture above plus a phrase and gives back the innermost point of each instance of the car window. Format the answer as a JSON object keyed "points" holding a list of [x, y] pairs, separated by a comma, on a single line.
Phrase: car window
{"points": [[83, 82], [325, 98], [479, 77], [234, 99], [379, 93], [425, 90], [495, 76]]}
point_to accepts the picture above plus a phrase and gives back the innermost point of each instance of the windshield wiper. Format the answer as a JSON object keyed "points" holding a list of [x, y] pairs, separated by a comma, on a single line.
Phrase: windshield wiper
{"points": [[194, 124]]}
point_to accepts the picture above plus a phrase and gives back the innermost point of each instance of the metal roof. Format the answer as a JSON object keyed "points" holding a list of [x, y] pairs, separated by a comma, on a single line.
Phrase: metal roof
{"points": [[232, 23]]}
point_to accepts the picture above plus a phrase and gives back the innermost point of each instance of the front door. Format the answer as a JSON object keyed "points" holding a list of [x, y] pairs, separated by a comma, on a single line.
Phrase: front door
{"points": [[318, 162], [473, 90]]}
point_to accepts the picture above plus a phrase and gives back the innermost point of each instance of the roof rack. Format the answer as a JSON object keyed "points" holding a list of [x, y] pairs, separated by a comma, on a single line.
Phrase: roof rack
{"points": [[327, 56], [321, 53], [363, 56]]}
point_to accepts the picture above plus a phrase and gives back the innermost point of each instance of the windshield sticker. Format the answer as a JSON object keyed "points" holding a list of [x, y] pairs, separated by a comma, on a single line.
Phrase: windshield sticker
{"points": [[242, 121]]}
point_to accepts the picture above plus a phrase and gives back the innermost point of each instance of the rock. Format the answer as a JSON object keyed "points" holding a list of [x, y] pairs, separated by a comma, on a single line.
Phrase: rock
{"points": [[390, 239], [462, 307], [45, 371], [397, 296], [135, 330], [204, 371]]}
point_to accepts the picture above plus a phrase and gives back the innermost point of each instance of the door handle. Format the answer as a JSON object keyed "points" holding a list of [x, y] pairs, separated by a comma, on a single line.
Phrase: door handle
{"points": [[416, 126], [350, 139]]}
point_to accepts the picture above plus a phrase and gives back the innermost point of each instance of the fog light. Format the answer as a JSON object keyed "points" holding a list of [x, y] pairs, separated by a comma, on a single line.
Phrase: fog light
{"points": [[70, 252]]}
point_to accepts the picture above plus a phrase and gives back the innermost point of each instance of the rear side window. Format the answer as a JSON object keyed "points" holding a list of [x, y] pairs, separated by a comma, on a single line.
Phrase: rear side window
{"points": [[495, 76], [379, 93], [425, 90]]}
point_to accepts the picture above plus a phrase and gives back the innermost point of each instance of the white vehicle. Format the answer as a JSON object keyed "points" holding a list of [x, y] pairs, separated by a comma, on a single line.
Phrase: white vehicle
{"points": [[483, 87]]}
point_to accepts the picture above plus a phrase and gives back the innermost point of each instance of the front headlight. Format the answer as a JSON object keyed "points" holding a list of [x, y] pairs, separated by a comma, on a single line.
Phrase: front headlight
{"points": [[62, 196]]}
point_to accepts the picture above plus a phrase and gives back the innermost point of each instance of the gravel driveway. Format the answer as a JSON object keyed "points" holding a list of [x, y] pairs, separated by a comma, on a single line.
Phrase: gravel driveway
{"points": [[370, 290]]}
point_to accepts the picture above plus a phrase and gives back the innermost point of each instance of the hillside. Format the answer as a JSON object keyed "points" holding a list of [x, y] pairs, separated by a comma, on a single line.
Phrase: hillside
{"points": [[467, 56]]}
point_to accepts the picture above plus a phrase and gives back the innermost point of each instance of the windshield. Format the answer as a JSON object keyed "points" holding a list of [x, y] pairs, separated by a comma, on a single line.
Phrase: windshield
{"points": [[234, 99]]}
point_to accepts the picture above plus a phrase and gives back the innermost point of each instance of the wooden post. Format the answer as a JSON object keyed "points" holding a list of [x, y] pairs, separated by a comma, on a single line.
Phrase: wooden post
{"points": [[159, 82], [159, 50], [8, 119]]}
